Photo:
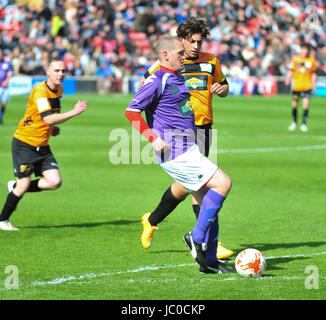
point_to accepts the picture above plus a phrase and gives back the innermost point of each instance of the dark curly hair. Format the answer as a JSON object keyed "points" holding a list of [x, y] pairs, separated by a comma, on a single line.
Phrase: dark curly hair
{"points": [[192, 26]]}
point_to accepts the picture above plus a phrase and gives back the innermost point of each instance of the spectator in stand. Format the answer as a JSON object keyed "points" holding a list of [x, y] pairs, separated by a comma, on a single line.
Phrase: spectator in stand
{"points": [[239, 70], [255, 69], [321, 61]]}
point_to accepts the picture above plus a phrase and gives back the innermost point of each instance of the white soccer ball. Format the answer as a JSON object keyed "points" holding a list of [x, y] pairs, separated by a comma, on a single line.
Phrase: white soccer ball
{"points": [[250, 263]]}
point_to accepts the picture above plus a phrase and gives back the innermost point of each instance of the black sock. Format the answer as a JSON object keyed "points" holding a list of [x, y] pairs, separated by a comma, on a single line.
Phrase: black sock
{"points": [[9, 206], [165, 207], [294, 114], [33, 187], [196, 209], [305, 116]]}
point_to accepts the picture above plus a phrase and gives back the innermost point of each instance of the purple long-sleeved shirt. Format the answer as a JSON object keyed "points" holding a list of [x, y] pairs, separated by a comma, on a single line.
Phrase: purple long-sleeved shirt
{"points": [[166, 102]]}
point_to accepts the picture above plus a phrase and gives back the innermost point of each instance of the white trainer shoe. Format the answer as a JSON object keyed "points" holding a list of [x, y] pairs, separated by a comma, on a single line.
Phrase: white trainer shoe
{"points": [[303, 128], [6, 225], [10, 185], [292, 126]]}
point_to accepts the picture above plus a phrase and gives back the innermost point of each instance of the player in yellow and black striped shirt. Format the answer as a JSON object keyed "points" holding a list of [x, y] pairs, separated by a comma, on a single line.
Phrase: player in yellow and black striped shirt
{"points": [[203, 77], [303, 73], [30, 150]]}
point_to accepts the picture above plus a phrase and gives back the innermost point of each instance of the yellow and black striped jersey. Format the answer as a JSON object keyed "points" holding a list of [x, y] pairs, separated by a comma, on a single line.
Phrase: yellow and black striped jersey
{"points": [[302, 69], [199, 76], [42, 101]]}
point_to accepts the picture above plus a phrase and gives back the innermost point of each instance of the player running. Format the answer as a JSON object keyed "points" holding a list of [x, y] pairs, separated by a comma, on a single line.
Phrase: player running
{"points": [[204, 77], [171, 129], [30, 150]]}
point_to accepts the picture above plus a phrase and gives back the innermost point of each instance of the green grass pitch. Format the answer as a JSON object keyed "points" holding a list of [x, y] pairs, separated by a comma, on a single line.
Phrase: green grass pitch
{"points": [[83, 240]]}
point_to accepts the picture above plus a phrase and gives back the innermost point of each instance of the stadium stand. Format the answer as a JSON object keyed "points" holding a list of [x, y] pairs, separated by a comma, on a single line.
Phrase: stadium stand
{"points": [[113, 39]]}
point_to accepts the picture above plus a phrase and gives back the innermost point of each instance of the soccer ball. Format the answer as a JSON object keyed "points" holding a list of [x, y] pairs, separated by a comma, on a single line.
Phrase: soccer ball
{"points": [[250, 263]]}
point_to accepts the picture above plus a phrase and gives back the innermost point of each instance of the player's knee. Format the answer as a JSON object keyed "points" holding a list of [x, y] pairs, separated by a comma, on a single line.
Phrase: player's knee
{"points": [[295, 102], [58, 184], [54, 184], [179, 191], [227, 183], [22, 186], [221, 183]]}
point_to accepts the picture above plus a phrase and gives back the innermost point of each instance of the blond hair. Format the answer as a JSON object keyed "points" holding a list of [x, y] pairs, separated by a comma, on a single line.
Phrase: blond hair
{"points": [[166, 42]]}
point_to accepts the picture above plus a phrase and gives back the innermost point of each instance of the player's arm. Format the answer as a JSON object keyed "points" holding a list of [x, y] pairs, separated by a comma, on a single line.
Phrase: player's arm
{"points": [[314, 81], [139, 123], [288, 78], [5, 82], [55, 131], [56, 118], [220, 85], [144, 98], [290, 73]]}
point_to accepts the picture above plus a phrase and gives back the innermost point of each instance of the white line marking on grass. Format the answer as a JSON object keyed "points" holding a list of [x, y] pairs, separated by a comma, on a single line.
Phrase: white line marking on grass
{"points": [[212, 151], [141, 269], [271, 149], [92, 275], [290, 278], [297, 255]]}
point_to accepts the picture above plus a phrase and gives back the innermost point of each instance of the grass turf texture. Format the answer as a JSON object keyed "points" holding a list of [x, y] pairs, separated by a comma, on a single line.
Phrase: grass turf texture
{"points": [[83, 240]]}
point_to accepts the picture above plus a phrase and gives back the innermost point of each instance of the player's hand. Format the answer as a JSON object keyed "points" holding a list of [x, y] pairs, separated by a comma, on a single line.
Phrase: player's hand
{"points": [[80, 107], [160, 145], [288, 79], [4, 84], [218, 88], [55, 131]]}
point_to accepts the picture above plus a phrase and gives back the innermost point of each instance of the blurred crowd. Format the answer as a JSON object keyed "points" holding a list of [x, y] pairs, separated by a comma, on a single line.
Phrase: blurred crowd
{"points": [[111, 39]]}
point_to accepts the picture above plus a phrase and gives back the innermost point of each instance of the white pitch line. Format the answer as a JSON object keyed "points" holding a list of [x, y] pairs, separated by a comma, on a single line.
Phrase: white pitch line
{"points": [[141, 269], [297, 255], [220, 151], [214, 151], [260, 278], [92, 275], [271, 149]]}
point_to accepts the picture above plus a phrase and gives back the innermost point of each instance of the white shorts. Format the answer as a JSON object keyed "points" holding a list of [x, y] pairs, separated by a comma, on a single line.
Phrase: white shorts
{"points": [[192, 169], [4, 95]]}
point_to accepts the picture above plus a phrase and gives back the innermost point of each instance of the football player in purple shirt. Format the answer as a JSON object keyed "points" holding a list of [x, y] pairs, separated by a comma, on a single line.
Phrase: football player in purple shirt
{"points": [[5, 75], [170, 128], [204, 78]]}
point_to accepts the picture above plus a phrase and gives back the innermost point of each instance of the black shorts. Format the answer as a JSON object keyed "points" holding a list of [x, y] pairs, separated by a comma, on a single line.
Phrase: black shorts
{"points": [[28, 159], [204, 138], [302, 94]]}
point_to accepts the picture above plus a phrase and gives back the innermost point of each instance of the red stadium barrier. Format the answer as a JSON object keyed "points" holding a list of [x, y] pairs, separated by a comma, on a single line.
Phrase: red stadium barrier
{"points": [[267, 87]]}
